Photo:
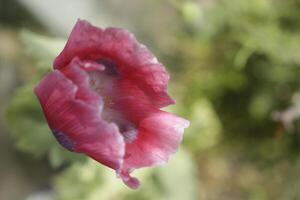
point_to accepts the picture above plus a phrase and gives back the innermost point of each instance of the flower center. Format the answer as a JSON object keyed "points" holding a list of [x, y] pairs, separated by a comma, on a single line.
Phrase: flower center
{"points": [[105, 84], [110, 67]]}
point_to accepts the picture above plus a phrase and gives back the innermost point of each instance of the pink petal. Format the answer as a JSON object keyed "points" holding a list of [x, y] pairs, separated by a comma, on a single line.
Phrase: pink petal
{"points": [[159, 137], [80, 78], [79, 121], [132, 59], [159, 132]]}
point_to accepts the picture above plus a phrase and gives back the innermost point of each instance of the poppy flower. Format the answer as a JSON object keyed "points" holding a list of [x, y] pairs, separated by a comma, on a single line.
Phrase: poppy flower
{"points": [[103, 99]]}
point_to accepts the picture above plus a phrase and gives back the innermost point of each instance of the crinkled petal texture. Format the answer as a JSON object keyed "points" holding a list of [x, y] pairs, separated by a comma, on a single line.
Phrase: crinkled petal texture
{"points": [[103, 99]]}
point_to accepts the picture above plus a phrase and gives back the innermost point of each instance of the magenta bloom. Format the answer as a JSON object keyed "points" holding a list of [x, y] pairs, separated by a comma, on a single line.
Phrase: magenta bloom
{"points": [[103, 99]]}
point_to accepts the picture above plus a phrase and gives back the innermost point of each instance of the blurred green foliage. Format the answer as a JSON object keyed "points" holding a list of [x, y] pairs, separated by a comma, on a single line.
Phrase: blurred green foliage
{"points": [[233, 64], [244, 58]]}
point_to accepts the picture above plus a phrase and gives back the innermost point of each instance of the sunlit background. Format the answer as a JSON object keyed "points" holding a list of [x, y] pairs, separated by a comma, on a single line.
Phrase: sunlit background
{"points": [[235, 73]]}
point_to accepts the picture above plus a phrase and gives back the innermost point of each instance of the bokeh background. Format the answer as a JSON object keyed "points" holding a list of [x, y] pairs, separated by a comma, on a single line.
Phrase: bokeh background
{"points": [[235, 73]]}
